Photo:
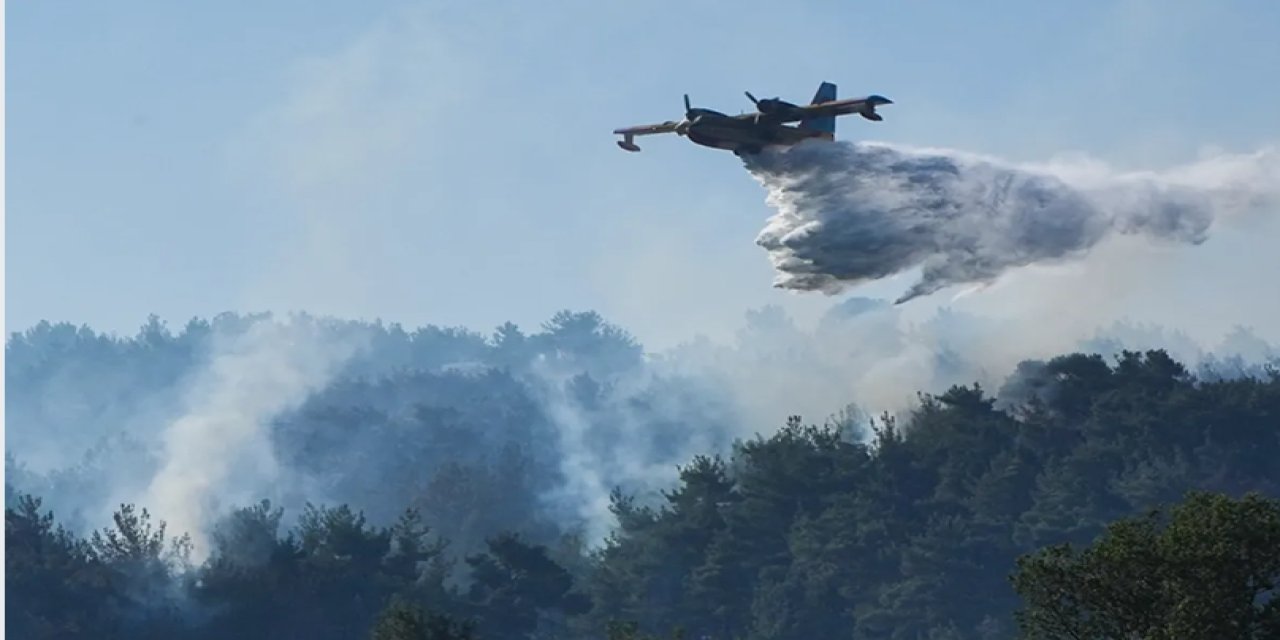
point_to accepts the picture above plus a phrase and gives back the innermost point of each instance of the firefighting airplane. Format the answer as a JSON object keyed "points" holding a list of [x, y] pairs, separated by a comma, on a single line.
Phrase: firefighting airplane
{"points": [[750, 133]]}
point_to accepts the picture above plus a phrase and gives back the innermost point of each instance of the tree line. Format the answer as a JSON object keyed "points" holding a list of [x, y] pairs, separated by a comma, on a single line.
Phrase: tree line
{"points": [[1023, 512]]}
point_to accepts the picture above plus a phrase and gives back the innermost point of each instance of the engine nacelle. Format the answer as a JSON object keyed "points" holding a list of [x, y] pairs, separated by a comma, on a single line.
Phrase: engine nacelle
{"points": [[775, 106]]}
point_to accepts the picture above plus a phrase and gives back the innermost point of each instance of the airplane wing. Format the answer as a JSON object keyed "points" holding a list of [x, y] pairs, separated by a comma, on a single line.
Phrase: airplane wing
{"points": [[647, 129], [629, 133], [831, 108], [865, 106]]}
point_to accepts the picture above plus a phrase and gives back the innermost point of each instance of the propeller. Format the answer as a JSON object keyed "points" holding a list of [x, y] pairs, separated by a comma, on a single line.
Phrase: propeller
{"points": [[689, 117], [767, 106], [756, 103]]}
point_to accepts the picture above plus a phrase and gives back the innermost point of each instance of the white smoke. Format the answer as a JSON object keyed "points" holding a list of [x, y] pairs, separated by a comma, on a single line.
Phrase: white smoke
{"points": [[606, 441], [849, 213], [218, 453], [585, 491]]}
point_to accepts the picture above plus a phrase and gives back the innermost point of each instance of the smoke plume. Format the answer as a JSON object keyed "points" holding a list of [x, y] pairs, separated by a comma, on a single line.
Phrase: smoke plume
{"points": [[849, 213], [219, 453]]}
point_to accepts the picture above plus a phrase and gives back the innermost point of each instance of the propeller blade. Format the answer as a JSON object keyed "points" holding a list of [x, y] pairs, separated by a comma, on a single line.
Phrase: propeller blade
{"points": [[686, 103], [751, 98]]}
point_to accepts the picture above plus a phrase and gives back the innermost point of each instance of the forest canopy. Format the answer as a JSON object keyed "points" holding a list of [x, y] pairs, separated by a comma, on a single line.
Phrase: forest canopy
{"points": [[442, 483]]}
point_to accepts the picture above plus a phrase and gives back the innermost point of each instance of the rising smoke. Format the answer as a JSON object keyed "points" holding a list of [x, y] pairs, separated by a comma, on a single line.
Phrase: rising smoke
{"points": [[218, 453], [849, 213]]}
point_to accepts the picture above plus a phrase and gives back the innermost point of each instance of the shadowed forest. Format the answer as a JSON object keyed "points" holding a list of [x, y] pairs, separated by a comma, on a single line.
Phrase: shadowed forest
{"points": [[440, 483]]}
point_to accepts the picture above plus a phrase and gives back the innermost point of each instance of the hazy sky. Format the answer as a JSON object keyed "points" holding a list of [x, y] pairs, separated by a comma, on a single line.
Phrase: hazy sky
{"points": [[452, 162]]}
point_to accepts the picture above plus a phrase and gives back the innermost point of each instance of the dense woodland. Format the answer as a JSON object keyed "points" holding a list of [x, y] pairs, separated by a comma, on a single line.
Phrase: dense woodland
{"points": [[425, 493]]}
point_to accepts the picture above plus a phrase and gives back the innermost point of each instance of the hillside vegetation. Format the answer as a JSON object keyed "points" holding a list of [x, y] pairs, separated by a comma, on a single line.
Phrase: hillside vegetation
{"points": [[432, 482]]}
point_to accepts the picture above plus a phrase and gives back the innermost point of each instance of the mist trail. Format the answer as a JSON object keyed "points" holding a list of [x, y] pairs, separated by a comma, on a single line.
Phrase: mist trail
{"points": [[218, 453], [849, 213]]}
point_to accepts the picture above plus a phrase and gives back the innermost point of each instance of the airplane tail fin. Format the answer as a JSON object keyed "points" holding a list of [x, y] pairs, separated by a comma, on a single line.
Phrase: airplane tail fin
{"points": [[826, 124]]}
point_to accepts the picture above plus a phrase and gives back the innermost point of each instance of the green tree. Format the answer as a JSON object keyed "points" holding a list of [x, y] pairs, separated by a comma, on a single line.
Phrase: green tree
{"points": [[1209, 569], [56, 588], [403, 621], [516, 584], [145, 568]]}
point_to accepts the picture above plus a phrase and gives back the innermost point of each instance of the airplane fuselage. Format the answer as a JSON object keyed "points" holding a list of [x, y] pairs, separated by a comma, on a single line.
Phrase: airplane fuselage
{"points": [[718, 131], [750, 133]]}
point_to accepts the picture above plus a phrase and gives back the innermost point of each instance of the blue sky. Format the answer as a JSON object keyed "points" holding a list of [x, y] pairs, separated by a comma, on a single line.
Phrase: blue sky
{"points": [[452, 163]]}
